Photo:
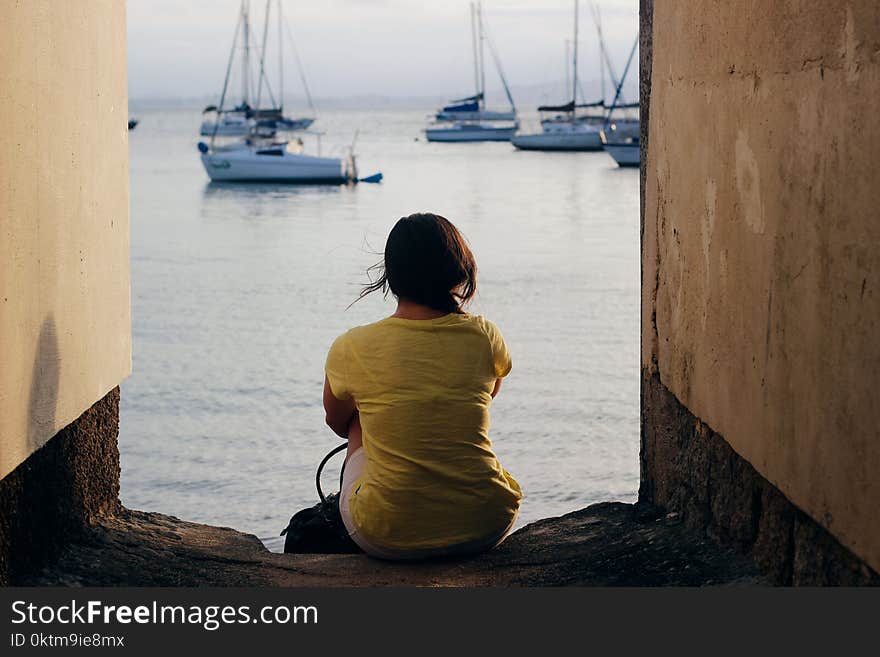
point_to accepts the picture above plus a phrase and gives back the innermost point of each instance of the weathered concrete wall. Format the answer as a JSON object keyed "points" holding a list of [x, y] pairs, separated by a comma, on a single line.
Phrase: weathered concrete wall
{"points": [[65, 328], [49, 500], [761, 264], [65, 338]]}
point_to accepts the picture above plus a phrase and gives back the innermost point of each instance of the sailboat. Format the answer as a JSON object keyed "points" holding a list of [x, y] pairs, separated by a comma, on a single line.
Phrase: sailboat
{"points": [[472, 108], [567, 131], [268, 160], [236, 121], [467, 119], [621, 132], [261, 155]]}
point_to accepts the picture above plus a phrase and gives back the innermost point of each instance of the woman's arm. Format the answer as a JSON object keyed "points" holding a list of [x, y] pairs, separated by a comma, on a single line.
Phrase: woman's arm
{"points": [[339, 411]]}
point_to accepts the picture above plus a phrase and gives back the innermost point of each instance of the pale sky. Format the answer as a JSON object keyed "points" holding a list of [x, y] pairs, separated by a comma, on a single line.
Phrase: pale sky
{"points": [[395, 48]]}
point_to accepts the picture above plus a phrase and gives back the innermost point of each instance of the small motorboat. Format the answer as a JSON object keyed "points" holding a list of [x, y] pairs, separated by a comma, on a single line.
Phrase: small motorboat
{"points": [[132, 124]]}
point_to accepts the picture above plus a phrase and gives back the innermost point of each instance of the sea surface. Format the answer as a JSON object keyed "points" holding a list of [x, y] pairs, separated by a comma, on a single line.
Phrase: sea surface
{"points": [[238, 291]]}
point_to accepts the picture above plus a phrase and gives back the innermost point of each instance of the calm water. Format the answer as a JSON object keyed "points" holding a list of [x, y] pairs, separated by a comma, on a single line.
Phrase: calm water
{"points": [[238, 291]]}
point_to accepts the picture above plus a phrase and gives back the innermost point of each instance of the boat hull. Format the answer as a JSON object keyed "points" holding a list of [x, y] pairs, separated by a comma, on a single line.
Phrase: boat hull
{"points": [[244, 166], [236, 128], [478, 115], [587, 141], [469, 134], [223, 129], [626, 155]]}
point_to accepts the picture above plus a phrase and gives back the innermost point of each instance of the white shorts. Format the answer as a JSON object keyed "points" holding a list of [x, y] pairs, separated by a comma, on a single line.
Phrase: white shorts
{"points": [[354, 467]]}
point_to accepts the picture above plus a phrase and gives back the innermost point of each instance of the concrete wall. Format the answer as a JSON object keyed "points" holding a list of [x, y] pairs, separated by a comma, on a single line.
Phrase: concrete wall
{"points": [[65, 327], [65, 338], [761, 255]]}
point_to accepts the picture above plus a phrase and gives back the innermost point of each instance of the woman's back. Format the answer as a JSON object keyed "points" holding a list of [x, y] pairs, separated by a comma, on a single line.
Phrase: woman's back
{"points": [[423, 389]]}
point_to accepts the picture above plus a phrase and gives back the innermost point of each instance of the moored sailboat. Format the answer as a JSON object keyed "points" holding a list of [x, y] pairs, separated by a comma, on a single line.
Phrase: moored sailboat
{"points": [[566, 131], [261, 155], [620, 134], [236, 121], [470, 131], [467, 119], [251, 160]]}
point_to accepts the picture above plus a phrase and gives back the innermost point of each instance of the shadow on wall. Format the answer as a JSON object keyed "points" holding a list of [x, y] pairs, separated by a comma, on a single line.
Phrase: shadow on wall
{"points": [[70, 477], [45, 380]]}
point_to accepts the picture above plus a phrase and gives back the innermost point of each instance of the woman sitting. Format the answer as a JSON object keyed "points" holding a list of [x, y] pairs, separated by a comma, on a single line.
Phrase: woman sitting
{"points": [[411, 393]]}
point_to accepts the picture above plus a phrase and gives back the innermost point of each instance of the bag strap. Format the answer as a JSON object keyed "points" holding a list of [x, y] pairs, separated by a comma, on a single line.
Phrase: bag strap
{"points": [[321, 465]]}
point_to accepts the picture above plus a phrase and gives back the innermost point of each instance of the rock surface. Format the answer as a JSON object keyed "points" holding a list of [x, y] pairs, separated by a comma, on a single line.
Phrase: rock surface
{"points": [[605, 544]]}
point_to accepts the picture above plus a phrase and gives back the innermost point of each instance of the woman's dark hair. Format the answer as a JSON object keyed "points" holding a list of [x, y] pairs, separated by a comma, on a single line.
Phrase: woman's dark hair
{"points": [[427, 261]]}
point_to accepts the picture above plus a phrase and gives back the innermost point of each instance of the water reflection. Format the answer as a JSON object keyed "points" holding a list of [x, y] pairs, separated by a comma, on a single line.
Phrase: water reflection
{"points": [[256, 200]]}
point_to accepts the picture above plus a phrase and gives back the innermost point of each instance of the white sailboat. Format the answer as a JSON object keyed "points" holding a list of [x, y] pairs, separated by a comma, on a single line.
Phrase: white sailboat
{"points": [[621, 132], [621, 141], [261, 155], [255, 160], [467, 119], [469, 109], [567, 131], [470, 131], [561, 136], [236, 121]]}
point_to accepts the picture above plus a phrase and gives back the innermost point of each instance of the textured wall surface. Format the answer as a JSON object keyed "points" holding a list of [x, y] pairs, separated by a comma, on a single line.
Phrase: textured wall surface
{"points": [[691, 470], [48, 500], [65, 336], [761, 248]]}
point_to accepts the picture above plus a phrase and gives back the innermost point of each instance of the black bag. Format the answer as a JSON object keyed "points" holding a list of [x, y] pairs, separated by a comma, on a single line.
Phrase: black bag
{"points": [[319, 530]]}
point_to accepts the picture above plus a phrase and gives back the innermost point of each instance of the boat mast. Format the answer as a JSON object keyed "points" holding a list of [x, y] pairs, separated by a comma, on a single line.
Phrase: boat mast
{"points": [[482, 60], [263, 78], [299, 67], [263, 53], [474, 46], [245, 63], [574, 79], [598, 17], [609, 66], [226, 81], [567, 63], [500, 70], [617, 93], [280, 61]]}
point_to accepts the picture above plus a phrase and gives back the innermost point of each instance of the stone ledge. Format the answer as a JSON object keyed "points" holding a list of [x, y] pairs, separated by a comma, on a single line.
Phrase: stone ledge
{"points": [[607, 544]]}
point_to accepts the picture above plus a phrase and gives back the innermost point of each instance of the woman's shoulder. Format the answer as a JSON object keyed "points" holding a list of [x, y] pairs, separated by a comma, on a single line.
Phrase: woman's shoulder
{"points": [[484, 323], [388, 325], [365, 331]]}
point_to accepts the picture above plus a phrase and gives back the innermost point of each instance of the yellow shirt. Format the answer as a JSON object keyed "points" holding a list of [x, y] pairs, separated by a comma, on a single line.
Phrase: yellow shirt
{"points": [[423, 389]]}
